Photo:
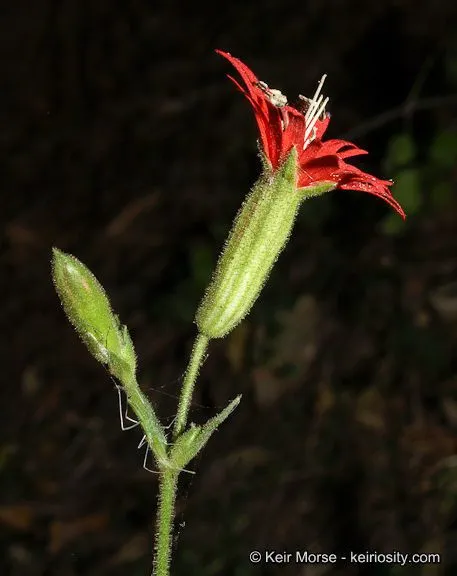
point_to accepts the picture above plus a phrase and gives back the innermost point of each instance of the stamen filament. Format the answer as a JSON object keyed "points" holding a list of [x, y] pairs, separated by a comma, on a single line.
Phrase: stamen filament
{"points": [[315, 101], [315, 110], [322, 107]]}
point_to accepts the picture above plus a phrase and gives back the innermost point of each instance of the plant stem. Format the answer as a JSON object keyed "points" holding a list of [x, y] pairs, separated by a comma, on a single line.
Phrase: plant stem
{"points": [[196, 360], [148, 420], [164, 527], [169, 476]]}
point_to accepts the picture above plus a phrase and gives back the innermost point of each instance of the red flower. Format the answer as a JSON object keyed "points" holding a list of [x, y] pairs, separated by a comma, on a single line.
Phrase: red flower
{"points": [[283, 126]]}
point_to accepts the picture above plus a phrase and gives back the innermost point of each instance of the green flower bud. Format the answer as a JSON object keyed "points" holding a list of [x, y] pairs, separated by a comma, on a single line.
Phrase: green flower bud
{"points": [[260, 231], [87, 307]]}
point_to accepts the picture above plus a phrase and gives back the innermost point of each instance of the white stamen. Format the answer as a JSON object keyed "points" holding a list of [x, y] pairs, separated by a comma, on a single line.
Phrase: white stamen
{"points": [[314, 112], [314, 100], [312, 122], [322, 107]]}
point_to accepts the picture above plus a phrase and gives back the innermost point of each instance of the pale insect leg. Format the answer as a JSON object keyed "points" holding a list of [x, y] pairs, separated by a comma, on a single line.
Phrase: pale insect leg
{"points": [[124, 415], [143, 439], [145, 461], [168, 426], [142, 443], [134, 424]]}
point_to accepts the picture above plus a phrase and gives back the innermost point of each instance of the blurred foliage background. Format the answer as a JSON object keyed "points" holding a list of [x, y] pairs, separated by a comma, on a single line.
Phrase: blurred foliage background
{"points": [[123, 142]]}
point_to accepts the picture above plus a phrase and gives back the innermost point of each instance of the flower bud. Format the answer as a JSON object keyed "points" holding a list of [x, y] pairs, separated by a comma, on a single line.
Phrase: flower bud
{"points": [[87, 307], [259, 233]]}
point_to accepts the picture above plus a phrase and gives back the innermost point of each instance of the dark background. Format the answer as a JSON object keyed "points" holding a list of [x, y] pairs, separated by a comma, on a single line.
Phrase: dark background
{"points": [[123, 143]]}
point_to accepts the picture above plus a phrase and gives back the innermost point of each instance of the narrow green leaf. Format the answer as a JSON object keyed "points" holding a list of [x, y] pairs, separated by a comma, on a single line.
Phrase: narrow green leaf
{"points": [[189, 444]]}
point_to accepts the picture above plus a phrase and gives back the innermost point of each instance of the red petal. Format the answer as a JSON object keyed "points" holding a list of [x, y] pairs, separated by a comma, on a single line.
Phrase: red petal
{"points": [[267, 115], [321, 126], [379, 190], [281, 128], [342, 148]]}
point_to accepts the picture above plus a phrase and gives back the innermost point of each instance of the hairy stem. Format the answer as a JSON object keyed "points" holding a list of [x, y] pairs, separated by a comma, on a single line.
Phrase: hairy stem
{"points": [[148, 420], [196, 360], [165, 516], [169, 476]]}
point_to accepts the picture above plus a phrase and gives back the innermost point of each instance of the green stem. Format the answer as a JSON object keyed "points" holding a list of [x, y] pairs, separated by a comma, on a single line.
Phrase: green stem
{"points": [[169, 476], [148, 420], [164, 527], [196, 360]]}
